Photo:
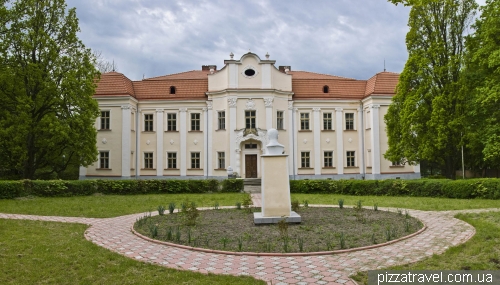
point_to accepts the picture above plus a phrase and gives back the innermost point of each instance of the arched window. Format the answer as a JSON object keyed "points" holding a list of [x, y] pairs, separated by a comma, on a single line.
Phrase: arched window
{"points": [[325, 89], [172, 89]]}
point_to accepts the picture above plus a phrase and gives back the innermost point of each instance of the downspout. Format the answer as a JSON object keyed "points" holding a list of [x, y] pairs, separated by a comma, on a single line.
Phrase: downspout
{"points": [[137, 143], [363, 169]]}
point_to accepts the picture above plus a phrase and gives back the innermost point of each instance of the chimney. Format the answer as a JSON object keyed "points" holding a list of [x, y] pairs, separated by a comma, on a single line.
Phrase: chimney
{"points": [[209, 67], [284, 69]]}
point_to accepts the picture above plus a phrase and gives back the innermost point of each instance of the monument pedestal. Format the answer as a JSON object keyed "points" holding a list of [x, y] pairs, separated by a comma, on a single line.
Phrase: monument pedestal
{"points": [[276, 201]]}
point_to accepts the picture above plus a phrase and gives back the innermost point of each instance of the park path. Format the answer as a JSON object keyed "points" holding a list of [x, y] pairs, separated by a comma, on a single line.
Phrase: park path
{"points": [[443, 231]]}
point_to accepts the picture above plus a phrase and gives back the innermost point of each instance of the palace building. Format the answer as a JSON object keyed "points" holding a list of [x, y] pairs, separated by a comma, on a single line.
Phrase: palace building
{"points": [[196, 124]]}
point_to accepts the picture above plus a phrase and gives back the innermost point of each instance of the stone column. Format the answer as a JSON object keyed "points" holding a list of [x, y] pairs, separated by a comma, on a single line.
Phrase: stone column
{"points": [[232, 135], [183, 140], [159, 142], [208, 145], [375, 139], [339, 129], [126, 137], [317, 140]]}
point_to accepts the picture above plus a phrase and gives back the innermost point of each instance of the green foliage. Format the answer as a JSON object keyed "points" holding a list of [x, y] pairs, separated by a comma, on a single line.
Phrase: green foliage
{"points": [[48, 80], [190, 213], [487, 188], [283, 228], [232, 185], [247, 203], [426, 118], [161, 210], [295, 205], [67, 188]]}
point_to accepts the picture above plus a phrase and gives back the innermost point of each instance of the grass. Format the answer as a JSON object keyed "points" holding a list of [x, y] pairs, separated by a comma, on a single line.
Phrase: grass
{"points": [[481, 252], [35, 252], [106, 206], [417, 203]]}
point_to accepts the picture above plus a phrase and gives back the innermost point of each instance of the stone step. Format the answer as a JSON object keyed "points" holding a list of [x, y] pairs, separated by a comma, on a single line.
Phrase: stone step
{"points": [[252, 181]]}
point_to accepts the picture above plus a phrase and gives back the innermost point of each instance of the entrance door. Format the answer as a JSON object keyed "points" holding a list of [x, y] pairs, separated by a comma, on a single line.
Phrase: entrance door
{"points": [[251, 166]]}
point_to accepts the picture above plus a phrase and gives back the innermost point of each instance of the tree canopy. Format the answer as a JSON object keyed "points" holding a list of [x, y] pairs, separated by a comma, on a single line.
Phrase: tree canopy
{"points": [[47, 80], [426, 119]]}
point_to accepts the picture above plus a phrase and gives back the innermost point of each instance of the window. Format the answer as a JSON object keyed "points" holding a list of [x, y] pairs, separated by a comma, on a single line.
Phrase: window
{"points": [[250, 119], [195, 160], [172, 160], [327, 121], [171, 122], [148, 160], [351, 159], [304, 121], [104, 120], [104, 160], [195, 121], [325, 89], [349, 121], [328, 159], [172, 89], [397, 163], [305, 159], [221, 120], [279, 120], [148, 122], [250, 146], [221, 159]]}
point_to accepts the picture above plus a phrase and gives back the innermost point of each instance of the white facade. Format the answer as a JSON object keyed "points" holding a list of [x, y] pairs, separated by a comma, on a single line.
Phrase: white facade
{"points": [[188, 135]]}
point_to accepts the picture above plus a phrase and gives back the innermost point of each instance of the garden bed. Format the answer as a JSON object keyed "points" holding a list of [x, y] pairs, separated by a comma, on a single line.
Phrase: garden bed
{"points": [[322, 229]]}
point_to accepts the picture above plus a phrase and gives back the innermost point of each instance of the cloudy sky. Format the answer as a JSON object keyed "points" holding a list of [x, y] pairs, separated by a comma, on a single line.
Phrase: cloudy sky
{"points": [[350, 38]]}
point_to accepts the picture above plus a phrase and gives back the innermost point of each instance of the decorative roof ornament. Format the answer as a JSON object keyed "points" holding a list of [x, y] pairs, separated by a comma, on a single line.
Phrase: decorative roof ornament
{"points": [[231, 55], [267, 55]]}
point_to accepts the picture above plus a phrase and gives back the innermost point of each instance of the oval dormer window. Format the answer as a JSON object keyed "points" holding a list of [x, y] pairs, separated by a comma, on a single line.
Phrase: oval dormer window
{"points": [[249, 72]]}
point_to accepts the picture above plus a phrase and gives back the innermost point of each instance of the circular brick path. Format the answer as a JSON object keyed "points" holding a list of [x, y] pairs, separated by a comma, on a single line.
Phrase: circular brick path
{"points": [[443, 231]]}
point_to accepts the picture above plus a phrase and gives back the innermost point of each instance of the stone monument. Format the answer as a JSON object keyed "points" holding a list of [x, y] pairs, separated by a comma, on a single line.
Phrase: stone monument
{"points": [[276, 201]]}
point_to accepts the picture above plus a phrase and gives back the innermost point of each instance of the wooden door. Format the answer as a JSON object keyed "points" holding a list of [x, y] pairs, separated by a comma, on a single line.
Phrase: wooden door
{"points": [[251, 166]]}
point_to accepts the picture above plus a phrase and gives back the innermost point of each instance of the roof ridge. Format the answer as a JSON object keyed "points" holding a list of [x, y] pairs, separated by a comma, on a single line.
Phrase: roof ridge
{"points": [[172, 74], [324, 74]]}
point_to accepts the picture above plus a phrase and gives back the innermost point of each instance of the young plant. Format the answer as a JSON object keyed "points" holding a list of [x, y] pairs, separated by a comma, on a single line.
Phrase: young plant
{"points": [[388, 234], [153, 230], [238, 205], [374, 241], [169, 233], [171, 208], [399, 211], [375, 207], [216, 206], [286, 244], [300, 241], [240, 243], [295, 205], [283, 228], [358, 206], [161, 210], [330, 245], [224, 242], [341, 203], [407, 214], [247, 203], [190, 213], [177, 234], [189, 235], [268, 247], [407, 225], [306, 204], [342, 241]]}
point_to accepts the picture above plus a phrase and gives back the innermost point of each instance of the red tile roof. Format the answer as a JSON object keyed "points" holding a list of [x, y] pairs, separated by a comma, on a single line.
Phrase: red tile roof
{"points": [[192, 85], [382, 83]]}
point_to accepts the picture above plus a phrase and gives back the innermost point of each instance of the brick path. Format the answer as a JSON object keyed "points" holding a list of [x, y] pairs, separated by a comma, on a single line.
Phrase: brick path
{"points": [[442, 231]]}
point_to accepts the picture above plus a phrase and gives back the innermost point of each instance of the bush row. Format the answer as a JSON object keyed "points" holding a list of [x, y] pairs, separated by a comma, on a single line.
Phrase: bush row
{"points": [[66, 188], [462, 189]]}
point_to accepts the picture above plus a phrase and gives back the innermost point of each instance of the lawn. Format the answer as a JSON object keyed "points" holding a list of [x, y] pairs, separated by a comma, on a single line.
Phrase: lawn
{"points": [[106, 206], [34, 252]]}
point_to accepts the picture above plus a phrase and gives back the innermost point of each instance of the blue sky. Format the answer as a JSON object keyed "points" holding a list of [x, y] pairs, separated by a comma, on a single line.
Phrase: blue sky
{"points": [[350, 38]]}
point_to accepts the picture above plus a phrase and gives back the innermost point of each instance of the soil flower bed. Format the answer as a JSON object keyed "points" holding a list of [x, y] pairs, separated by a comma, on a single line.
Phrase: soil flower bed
{"points": [[322, 229]]}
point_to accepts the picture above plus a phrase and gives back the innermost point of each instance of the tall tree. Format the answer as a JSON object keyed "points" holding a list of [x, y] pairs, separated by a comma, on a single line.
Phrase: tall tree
{"points": [[482, 87], [425, 121], [47, 79]]}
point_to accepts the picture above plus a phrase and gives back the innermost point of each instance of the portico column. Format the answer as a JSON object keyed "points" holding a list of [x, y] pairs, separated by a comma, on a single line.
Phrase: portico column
{"points": [[291, 136], [375, 139], [159, 142], [317, 141], [183, 139], [339, 129], [126, 137], [269, 112], [232, 135], [208, 136]]}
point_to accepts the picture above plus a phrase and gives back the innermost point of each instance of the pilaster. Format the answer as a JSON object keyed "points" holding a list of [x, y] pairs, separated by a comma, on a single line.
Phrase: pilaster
{"points": [[317, 141], [159, 142], [268, 101], [209, 132], [232, 135], [375, 139], [291, 138], [340, 140], [183, 140], [126, 137]]}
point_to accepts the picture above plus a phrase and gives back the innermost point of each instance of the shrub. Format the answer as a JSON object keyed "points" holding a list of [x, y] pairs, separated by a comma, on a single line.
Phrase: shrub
{"points": [[232, 185]]}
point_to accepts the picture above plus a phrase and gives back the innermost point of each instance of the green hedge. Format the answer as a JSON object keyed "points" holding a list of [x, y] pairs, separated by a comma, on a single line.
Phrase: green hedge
{"points": [[67, 188], [463, 189]]}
